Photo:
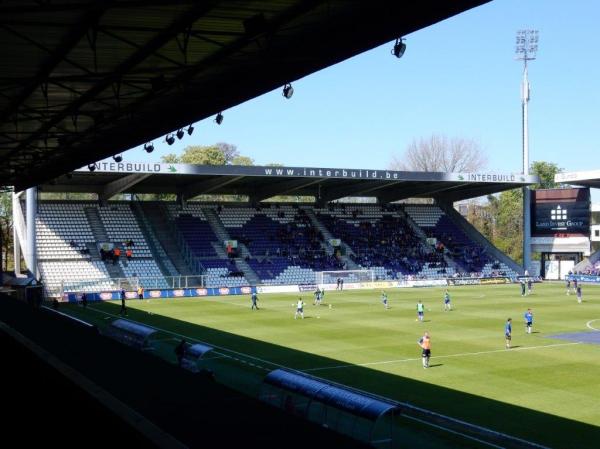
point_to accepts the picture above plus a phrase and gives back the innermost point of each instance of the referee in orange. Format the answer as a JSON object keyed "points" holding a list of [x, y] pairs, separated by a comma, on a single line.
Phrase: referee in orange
{"points": [[425, 344]]}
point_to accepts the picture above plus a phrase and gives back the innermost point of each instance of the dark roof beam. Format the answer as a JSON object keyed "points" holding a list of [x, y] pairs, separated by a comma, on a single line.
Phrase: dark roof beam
{"points": [[120, 185], [59, 54], [208, 186], [410, 192], [155, 43], [283, 188], [357, 189]]}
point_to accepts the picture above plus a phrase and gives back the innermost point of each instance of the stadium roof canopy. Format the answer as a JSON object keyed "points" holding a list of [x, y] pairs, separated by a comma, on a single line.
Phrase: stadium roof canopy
{"points": [[580, 178], [260, 182], [82, 80]]}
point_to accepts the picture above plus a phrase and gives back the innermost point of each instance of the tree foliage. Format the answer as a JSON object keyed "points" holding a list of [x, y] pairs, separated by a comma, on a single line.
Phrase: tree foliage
{"points": [[441, 154], [6, 229], [546, 171]]}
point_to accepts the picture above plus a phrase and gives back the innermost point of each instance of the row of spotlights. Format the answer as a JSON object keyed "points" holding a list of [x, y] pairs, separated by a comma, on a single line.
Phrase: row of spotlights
{"points": [[288, 91], [170, 139]]}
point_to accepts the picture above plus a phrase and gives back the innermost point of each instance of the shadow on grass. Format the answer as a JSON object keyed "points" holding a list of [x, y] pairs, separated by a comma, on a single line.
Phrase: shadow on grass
{"points": [[529, 424]]}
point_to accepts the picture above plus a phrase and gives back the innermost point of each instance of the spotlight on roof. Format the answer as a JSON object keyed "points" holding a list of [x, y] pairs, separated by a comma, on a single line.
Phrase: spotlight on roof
{"points": [[219, 118], [91, 167], [170, 139], [118, 157], [149, 147], [288, 91], [180, 134], [190, 130], [399, 48]]}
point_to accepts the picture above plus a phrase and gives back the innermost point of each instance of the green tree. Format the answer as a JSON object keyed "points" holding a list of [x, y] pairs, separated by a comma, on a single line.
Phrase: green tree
{"points": [[6, 229], [546, 171]]}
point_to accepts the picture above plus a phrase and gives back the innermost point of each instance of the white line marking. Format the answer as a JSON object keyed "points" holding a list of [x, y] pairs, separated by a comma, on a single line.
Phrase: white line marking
{"points": [[589, 324], [353, 388], [454, 432], [187, 337], [463, 354]]}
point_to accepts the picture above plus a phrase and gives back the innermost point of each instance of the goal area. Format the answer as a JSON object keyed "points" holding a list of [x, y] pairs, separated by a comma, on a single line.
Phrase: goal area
{"points": [[347, 276]]}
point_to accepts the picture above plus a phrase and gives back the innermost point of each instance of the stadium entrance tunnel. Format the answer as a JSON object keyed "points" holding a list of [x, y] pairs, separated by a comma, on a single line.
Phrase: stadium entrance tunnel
{"points": [[357, 414]]}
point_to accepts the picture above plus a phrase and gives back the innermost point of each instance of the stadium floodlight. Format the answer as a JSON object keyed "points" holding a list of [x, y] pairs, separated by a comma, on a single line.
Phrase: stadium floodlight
{"points": [[91, 167], [170, 139], [526, 50], [219, 118], [527, 44], [118, 158], [288, 91], [149, 147], [180, 134], [190, 130], [399, 48]]}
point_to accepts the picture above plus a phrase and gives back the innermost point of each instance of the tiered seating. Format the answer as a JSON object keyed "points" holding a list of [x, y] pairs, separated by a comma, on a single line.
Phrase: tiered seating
{"points": [[282, 240], [62, 231], [194, 228], [121, 225], [223, 273], [144, 269], [75, 275], [469, 255], [381, 239]]}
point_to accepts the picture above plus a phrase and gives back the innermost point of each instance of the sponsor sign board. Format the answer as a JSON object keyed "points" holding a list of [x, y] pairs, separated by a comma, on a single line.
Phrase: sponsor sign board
{"points": [[560, 211], [466, 281]]}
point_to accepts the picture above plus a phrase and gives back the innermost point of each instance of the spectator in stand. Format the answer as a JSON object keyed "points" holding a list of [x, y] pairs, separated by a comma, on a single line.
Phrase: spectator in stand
{"points": [[116, 254], [129, 243], [128, 253]]}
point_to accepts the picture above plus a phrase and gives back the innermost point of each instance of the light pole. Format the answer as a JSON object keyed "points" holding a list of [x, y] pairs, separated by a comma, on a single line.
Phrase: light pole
{"points": [[526, 49]]}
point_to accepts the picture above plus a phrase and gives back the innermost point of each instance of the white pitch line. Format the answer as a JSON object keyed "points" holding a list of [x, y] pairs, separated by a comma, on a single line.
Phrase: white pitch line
{"points": [[187, 337], [589, 324], [463, 354]]}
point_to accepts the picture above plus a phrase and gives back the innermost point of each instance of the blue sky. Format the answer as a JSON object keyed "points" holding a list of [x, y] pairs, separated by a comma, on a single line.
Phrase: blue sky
{"points": [[458, 78]]}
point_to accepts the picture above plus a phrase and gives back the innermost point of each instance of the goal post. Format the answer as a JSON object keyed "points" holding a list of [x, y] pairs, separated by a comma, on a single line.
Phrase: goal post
{"points": [[347, 276]]}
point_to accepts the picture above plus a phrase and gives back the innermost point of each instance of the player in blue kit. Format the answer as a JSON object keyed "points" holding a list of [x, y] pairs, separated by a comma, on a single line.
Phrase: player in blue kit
{"points": [[384, 299], [508, 332], [447, 305], [528, 320]]}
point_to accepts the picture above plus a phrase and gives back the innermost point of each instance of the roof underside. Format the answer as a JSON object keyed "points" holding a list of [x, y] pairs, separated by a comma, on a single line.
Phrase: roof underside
{"points": [[81, 80], [387, 186]]}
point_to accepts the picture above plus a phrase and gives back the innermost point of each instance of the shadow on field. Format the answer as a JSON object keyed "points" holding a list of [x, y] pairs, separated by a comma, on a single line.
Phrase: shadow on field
{"points": [[529, 424]]}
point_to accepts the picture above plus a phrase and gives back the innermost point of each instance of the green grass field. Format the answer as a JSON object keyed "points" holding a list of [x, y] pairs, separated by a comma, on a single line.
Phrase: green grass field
{"points": [[544, 390]]}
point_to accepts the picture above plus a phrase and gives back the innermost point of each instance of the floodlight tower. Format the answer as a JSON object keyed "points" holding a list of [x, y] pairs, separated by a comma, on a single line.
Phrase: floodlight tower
{"points": [[526, 49]]}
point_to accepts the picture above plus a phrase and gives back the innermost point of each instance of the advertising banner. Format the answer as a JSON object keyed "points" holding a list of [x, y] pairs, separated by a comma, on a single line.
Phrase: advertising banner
{"points": [[560, 211], [466, 281], [584, 278], [163, 293]]}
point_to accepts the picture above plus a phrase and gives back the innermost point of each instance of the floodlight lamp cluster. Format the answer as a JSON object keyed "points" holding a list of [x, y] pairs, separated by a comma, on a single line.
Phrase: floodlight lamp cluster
{"points": [[399, 48], [149, 147], [526, 45]]}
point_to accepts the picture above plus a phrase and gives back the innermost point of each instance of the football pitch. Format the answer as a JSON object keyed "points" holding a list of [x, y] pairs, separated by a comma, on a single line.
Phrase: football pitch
{"points": [[545, 389]]}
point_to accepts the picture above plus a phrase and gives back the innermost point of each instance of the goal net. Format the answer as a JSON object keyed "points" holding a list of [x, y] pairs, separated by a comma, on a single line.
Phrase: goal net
{"points": [[347, 276]]}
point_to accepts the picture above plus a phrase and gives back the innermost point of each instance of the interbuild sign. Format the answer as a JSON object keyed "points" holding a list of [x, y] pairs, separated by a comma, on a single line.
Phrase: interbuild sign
{"points": [[560, 211], [305, 172]]}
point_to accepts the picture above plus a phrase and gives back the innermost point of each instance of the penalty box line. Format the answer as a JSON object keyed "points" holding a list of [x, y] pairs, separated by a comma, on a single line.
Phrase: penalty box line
{"points": [[462, 354]]}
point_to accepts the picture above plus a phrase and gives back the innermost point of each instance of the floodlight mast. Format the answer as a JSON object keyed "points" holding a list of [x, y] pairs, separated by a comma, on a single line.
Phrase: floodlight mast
{"points": [[526, 50]]}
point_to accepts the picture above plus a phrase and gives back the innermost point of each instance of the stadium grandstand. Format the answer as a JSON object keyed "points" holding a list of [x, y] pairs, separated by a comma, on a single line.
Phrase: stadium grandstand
{"points": [[188, 244], [86, 80]]}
